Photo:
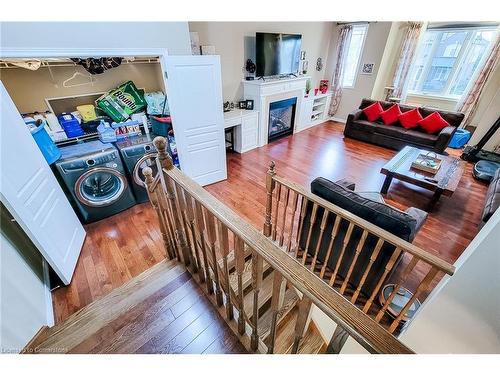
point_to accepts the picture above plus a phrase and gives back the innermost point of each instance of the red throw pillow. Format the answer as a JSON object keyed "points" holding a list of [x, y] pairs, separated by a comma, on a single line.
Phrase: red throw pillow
{"points": [[433, 123], [373, 111], [410, 119], [390, 116]]}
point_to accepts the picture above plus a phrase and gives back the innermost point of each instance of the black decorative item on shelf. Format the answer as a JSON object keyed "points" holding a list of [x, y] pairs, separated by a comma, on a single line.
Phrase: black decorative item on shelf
{"points": [[249, 104], [319, 64], [250, 66], [242, 104]]}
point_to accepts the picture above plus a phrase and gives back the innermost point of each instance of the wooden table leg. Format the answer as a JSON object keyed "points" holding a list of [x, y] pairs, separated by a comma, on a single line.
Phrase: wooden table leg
{"points": [[434, 199], [387, 183]]}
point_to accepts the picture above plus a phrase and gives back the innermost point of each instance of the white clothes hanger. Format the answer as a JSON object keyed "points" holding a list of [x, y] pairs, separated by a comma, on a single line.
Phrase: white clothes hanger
{"points": [[91, 80]]}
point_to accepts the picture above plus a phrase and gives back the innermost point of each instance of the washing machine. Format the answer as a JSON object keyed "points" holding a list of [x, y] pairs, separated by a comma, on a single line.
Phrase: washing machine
{"points": [[96, 180], [137, 153]]}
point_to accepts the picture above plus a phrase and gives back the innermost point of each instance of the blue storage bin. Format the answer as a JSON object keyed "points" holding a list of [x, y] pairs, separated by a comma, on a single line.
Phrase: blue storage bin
{"points": [[70, 125], [460, 138], [49, 150]]}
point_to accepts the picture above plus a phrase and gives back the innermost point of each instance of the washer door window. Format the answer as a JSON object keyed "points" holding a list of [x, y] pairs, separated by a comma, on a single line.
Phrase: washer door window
{"points": [[100, 187], [147, 160]]}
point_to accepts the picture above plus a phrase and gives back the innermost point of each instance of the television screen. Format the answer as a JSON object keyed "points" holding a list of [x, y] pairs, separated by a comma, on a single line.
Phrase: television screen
{"points": [[277, 54]]}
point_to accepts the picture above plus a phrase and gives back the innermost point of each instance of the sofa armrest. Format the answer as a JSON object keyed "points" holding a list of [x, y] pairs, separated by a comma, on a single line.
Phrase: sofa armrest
{"points": [[345, 183], [354, 115], [444, 138], [418, 215]]}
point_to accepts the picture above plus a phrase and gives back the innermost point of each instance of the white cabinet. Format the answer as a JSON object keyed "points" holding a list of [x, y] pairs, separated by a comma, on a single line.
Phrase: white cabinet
{"points": [[246, 129], [249, 133], [314, 111]]}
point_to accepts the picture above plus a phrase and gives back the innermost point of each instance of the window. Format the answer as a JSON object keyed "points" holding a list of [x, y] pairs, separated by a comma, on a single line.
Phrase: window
{"points": [[448, 59], [353, 55]]}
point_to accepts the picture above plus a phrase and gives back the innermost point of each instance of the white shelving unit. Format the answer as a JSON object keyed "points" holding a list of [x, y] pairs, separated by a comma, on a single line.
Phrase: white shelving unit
{"points": [[314, 110]]}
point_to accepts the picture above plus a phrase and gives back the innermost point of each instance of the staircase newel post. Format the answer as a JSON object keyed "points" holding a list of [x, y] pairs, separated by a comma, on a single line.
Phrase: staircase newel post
{"points": [[153, 198], [269, 188], [164, 162]]}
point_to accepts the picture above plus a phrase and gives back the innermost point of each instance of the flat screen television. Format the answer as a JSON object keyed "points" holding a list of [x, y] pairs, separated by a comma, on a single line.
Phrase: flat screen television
{"points": [[277, 54]]}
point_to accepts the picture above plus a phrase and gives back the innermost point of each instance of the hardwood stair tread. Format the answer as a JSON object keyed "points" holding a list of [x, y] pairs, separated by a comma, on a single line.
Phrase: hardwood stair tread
{"points": [[247, 275], [103, 311], [289, 301], [265, 295], [312, 342]]}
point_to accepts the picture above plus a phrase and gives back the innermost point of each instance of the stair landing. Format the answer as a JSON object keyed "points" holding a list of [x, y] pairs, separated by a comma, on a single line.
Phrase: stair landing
{"points": [[161, 311]]}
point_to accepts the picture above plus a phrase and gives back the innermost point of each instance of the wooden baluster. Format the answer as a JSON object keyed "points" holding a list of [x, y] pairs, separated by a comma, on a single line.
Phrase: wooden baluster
{"points": [[200, 223], [269, 200], [373, 257], [239, 254], [361, 243], [276, 212], [257, 267], [294, 209], [283, 218], [211, 237], [300, 324], [153, 198], [309, 233], [337, 341], [303, 209], [167, 218], [224, 248], [347, 238], [275, 306], [165, 162], [181, 201], [423, 286], [191, 219], [320, 239], [388, 267], [334, 233], [406, 272]]}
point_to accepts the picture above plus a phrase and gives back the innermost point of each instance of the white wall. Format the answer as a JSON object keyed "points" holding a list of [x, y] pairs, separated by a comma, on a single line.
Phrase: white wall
{"points": [[171, 35], [25, 300], [462, 315], [373, 50], [235, 43]]}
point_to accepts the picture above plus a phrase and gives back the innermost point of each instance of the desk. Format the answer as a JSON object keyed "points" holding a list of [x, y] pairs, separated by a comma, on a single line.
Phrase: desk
{"points": [[246, 132]]}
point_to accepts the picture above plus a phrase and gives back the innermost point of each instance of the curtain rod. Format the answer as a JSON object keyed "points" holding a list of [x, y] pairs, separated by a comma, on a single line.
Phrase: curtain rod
{"points": [[354, 23]]}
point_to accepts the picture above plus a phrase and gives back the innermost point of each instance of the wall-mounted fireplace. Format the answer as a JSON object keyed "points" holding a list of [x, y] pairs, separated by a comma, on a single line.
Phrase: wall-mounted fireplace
{"points": [[281, 118]]}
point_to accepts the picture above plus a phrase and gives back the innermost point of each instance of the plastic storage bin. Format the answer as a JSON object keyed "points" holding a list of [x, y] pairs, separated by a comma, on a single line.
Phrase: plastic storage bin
{"points": [[70, 125], [49, 150], [161, 125], [460, 138]]}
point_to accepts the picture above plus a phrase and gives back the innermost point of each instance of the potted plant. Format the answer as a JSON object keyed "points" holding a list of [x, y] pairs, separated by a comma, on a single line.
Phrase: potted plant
{"points": [[308, 86]]}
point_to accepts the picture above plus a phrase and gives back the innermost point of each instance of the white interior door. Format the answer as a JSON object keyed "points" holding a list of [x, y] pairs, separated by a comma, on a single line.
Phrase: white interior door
{"points": [[33, 196], [195, 101]]}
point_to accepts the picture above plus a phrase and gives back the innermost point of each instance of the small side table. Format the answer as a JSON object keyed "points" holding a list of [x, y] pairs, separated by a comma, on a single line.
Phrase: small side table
{"points": [[398, 302]]}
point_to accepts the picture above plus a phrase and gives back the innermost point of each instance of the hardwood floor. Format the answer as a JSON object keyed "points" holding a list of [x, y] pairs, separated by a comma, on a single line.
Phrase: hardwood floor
{"points": [[123, 246], [323, 151]]}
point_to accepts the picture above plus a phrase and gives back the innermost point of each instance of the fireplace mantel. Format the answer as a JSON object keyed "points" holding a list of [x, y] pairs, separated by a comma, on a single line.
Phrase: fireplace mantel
{"points": [[265, 92]]}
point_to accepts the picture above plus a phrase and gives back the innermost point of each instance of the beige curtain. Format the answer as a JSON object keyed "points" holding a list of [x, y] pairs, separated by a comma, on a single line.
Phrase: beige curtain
{"points": [[408, 49], [345, 32], [469, 102]]}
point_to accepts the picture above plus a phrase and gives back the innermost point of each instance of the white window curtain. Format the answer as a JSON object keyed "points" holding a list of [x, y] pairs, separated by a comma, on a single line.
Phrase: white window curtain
{"points": [[470, 99], [406, 55], [345, 32]]}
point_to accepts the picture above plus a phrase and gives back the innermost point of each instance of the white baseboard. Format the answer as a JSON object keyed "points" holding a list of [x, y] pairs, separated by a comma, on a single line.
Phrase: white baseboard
{"points": [[49, 309], [337, 119]]}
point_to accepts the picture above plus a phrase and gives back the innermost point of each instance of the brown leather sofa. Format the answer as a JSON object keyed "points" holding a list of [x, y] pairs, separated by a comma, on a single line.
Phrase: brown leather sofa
{"points": [[492, 201], [395, 136]]}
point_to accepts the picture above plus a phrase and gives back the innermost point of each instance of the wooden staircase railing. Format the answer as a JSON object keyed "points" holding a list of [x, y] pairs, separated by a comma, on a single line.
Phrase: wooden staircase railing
{"points": [[286, 208], [241, 268]]}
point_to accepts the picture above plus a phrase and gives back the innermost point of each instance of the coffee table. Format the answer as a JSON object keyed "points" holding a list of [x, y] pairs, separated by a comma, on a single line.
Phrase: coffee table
{"points": [[444, 182]]}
